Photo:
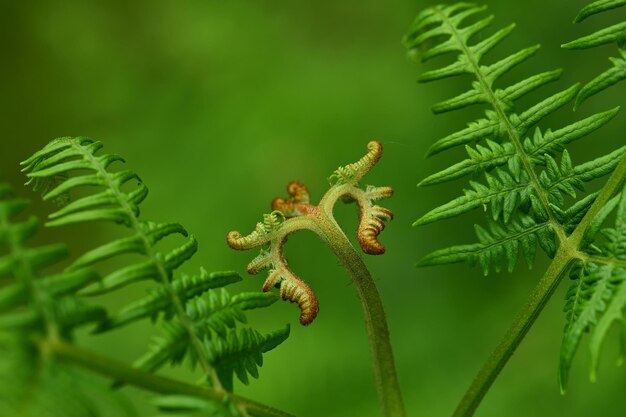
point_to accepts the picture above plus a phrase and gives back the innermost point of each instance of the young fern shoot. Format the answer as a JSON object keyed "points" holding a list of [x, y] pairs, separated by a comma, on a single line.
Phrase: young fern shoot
{"points": [[530, 178], [298, 213]]}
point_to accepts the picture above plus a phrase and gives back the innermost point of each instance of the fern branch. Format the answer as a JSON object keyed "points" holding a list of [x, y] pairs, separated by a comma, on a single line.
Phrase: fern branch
{"points": [[205, 318], [147, 247], [567, 253], [525, 186]]}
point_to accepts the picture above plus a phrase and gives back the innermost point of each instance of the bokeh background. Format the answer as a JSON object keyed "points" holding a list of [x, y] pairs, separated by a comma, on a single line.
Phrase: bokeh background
{"points": [[219, 104]]}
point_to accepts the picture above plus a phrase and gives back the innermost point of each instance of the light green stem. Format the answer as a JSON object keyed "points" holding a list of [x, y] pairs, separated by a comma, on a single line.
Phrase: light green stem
{"points": [[158, 384], [387, 386]]}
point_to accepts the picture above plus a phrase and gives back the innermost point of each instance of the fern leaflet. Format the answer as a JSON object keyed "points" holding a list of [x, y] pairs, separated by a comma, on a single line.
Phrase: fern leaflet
{"points": [[613, 34]]}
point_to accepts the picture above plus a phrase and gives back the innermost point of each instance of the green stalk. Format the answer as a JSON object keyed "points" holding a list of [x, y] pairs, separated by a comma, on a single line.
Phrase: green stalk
{"points": [[387, 385], [154, 383]]}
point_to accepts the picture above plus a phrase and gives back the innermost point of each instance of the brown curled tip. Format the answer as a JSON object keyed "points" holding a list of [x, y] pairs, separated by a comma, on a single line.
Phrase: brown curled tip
{"points": [[296, 291], [298, 204], [375, 151], [370, 226], [234, 240]]}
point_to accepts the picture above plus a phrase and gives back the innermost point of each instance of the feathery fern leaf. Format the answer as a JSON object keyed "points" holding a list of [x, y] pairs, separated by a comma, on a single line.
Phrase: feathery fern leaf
{"points": [[197, 312], [613, 34], [524, 188], [213, 317], [597, 297]]}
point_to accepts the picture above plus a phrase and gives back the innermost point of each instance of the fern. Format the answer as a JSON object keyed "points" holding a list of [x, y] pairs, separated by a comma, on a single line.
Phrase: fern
{"points": [[296, 213], [524, 185], [200, 320], [533, 192], [596, 298]]}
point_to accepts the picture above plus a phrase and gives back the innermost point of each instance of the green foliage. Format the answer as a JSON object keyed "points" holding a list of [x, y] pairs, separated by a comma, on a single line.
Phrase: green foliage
{"points": [[597, 297], [35, 305], [612, 34], [533, 193], [199, 319], [525, 190]]}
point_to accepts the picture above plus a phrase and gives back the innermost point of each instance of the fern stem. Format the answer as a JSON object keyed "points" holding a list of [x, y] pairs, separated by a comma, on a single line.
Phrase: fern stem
{"points": [[387, 385], [158, 384], [515, 334], [196, 343]]}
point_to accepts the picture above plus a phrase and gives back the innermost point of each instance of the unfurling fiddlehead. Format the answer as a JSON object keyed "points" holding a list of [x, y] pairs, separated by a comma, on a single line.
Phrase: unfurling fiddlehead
{"points": [[298, 213]]}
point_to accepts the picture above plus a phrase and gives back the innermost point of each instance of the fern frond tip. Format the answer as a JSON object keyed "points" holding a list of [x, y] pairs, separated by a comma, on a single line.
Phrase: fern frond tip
{"points": [[353, 173]]}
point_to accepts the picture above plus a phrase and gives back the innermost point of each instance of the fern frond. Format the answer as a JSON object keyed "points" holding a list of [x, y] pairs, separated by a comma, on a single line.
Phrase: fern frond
{"points": [[524, 186], [194, 309], [499, 245], [211, 317], [597, 297], [240, 353], [158, 299], [612, 34]]}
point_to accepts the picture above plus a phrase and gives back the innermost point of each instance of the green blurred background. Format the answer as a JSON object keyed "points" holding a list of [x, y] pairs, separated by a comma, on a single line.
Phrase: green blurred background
{"points": [[217, 105]]}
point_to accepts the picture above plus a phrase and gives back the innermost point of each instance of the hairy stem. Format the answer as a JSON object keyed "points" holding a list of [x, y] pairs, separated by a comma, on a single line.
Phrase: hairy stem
{"points": [[158, 384], [300, 214], [567, 253], [387, 385]]}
